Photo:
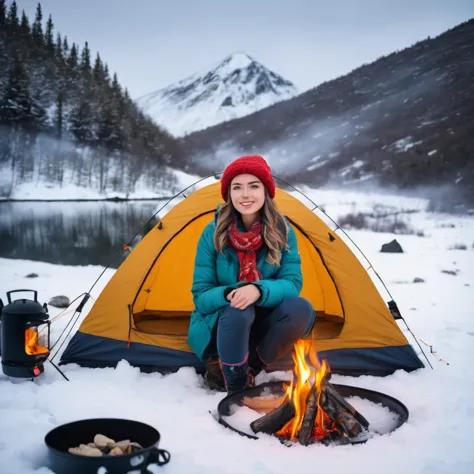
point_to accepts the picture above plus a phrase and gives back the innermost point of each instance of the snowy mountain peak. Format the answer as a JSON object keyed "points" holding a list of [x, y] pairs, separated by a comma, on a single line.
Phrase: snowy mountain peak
{"points": [[238, 85], [237, 60]]}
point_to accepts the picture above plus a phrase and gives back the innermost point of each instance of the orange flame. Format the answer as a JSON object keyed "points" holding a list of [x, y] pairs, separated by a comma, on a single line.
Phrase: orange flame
{"points": [[298, 392], [31, 343]]}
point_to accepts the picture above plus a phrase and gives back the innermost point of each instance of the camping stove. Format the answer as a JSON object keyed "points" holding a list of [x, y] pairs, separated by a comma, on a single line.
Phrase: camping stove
{"points": [[21, 351]]}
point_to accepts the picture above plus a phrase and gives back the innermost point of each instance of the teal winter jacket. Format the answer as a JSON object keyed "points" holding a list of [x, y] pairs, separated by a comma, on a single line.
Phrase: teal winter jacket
{"points": [[214, 273]]}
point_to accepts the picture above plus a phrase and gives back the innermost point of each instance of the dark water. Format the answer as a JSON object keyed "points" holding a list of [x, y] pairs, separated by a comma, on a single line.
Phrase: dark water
{"points": [[72, 233]]}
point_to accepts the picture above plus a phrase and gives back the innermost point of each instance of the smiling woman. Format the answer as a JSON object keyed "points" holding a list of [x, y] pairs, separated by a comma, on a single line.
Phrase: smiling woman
{"points": [[248, 197], [247, 280]]}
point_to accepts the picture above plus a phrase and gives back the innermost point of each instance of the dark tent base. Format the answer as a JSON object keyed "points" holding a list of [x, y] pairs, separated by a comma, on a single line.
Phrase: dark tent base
{"points": [[94, 351]]}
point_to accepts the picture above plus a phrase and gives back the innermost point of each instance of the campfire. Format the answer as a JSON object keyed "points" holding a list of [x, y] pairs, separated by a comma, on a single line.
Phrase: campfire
{"points": [[311, 409]]}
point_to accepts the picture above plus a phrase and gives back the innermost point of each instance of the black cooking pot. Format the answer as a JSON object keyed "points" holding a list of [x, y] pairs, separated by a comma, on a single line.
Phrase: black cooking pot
{"points": [[60, 439]]}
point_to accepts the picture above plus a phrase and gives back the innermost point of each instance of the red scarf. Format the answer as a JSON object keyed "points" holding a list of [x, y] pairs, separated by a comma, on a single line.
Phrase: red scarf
{"points": [[246, 245]]}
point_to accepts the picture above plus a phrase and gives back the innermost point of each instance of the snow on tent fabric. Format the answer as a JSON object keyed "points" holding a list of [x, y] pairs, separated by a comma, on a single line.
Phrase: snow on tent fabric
{"points": [[142, 315]]}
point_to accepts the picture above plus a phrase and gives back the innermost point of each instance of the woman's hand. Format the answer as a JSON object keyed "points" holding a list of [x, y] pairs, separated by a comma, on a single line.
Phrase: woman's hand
{"points": [[244, 296]]}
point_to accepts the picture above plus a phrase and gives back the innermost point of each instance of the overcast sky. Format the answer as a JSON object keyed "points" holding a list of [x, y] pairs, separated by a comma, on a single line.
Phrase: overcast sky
{"points": [[153, 43]]}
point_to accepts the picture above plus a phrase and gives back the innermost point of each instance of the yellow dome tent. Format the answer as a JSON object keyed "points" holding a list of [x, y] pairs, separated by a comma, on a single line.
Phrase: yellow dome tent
{"points": [[142, 315]]}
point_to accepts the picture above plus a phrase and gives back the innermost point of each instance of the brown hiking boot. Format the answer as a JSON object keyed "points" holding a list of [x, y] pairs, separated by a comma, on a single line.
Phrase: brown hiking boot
{"points": [[214, 376]]}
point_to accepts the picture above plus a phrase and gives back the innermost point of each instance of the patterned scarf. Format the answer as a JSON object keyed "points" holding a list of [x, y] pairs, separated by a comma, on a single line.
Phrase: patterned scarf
{"points": [[246, 245]]}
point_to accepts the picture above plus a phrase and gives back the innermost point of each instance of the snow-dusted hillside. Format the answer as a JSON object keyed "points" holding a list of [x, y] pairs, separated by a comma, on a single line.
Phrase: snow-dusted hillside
{"points": [[237, 86], [404, 120]]}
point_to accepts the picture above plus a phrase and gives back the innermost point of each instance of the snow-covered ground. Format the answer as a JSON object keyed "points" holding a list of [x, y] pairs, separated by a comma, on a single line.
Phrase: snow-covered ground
{"points": [[36, 191], [435, 440]]}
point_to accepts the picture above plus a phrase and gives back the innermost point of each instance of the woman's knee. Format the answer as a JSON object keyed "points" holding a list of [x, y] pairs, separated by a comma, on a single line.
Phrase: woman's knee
{"points": [[237, 318], [301, 311]]}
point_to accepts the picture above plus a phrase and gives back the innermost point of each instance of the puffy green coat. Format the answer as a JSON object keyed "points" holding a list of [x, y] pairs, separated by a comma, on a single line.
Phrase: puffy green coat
{"points": [[214, 273]]}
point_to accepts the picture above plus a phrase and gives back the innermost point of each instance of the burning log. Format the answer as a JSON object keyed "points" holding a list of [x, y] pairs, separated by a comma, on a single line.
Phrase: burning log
{"points": [[344, 420], [349, 424], [307, 425], [275, 419], [347, 407]]}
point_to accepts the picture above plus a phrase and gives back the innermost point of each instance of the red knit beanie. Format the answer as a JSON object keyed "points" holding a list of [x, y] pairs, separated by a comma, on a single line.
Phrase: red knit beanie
{"points": [[253, 164]]}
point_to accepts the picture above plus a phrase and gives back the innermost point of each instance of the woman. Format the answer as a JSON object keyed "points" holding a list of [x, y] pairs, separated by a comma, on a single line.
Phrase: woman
{"points": [[247, 278]]}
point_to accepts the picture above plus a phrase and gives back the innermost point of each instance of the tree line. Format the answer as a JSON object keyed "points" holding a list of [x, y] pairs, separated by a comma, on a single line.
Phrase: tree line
{"points": [[65, 118]]}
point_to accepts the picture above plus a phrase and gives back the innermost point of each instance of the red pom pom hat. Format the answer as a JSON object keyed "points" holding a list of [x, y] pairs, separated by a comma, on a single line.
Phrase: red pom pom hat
{"points": [[252, 164]]}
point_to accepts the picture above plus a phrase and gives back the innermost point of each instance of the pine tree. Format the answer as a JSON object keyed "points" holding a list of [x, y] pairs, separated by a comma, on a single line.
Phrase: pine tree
{"points": [[61, 71], [42, 66], [13, 15], [38, 113], [65, 47], [24, 29], [126, 95], [59, 161], [71, 76], [82, 120], [98, 71], [16, 104], [13, 24], [58, 49], [49, 35], [109, 122], [106, 74], [72, 59], [59, 115], [37, 28], [3, 15], [13, 33], [86, 60], [116, 85], [123, 131]]}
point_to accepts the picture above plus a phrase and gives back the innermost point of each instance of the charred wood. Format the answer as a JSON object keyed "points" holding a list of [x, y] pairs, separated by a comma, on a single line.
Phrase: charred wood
{"points": [[344, 405], [307, 425], [344, 420], [349, 424], [274, 420]]}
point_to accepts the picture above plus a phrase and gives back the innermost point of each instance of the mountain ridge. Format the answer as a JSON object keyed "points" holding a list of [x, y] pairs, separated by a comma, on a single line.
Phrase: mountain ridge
{"points": [[234, 87], [404, 120]]}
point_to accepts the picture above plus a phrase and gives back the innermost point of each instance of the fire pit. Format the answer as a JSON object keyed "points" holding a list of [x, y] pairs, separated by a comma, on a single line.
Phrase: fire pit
{"points": [[309, 409], [22, 354]]}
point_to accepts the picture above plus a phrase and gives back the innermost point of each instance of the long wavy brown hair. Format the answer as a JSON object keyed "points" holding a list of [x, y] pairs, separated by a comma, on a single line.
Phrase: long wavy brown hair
{"points": [[274, 228]]}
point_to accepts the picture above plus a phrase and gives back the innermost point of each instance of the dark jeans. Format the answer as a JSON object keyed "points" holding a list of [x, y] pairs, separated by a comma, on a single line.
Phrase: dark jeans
{"points": [[259, 335]]}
